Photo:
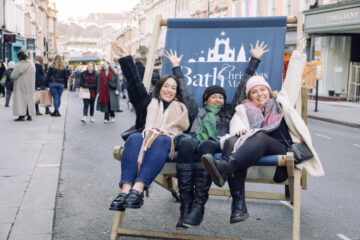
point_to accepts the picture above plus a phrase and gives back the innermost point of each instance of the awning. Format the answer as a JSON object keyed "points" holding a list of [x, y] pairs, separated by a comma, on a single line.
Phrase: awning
{"points": [[84, 59]]}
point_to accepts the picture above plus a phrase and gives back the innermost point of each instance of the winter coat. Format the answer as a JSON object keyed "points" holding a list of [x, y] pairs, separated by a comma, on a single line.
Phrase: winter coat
{"points": [[141, 69], [222, 123], [24, 88], [287, 97], [39, 77], [57, 76], [77, 77], [90, 81], [169, 122], [113, 86], [9, 84]]}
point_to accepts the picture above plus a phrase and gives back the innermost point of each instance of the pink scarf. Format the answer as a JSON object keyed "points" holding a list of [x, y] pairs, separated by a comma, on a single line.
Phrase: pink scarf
{"points": [[266, 121]]}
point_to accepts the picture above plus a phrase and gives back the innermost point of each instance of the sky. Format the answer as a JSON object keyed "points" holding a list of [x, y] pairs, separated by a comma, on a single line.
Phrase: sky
{"points": [[81, 8]]}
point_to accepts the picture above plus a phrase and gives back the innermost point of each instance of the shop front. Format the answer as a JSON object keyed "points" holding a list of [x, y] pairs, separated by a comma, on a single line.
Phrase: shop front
{"points": [[16, 47], [335, 41]]}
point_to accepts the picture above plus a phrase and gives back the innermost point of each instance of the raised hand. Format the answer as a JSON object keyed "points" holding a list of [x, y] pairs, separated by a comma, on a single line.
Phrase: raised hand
{"points": [[258, 51], [173, 58], [301, 44]]}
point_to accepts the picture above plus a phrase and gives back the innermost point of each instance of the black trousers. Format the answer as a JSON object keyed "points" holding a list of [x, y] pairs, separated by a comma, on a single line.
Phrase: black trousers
{"points": [[190, 149], [255, 147], [109, 113], [87, 103]]}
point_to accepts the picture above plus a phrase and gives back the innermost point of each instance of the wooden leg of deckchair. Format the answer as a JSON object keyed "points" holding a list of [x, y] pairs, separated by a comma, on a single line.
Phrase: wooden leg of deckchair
{"points": [[296, 211], [117, 223]]}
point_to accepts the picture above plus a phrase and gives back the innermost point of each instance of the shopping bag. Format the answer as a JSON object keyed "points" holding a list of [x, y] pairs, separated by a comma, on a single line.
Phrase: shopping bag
{"points": [[84, 93], [45, 99], [3, 80], [37, 97]]}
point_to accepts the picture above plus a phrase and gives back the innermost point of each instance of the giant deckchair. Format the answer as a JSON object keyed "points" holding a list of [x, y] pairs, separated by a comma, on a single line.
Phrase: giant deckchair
{"points": [[263, 173]]}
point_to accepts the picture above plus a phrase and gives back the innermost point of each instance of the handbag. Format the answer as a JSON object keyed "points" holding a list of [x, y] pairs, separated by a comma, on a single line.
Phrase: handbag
{"points": [[84, 93], [3, 80], [46, 98], [130, 131], [300, 150]]}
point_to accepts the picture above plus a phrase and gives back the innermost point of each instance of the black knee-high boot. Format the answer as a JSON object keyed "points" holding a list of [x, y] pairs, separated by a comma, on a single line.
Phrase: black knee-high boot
{"points": [[185, 174], [237, 189], [202, 182]]}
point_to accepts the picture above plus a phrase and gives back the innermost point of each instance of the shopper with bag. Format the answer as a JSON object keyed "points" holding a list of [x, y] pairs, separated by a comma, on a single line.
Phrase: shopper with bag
{"points": [[108, 91], [24, 88], [56, 80], [39, 82], [9, 84], [88, 90]]}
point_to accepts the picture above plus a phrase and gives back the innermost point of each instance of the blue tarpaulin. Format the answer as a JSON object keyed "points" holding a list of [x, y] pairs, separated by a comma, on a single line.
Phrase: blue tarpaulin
{"points": [[217, 51]]}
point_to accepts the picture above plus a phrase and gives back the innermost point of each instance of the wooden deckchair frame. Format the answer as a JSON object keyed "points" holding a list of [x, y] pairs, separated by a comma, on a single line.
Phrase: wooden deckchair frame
{"points": [[297, 179]]}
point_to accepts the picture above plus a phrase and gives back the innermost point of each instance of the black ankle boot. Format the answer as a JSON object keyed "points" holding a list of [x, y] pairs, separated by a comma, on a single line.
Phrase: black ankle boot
{"points": [[237, 189], [185, 174], [202, 182], [20, 119], [220, 169]]}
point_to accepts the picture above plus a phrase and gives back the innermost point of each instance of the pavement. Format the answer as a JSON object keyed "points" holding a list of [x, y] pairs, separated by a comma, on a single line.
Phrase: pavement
{"points": [[30, 161], [344, 113], [31, 154]]}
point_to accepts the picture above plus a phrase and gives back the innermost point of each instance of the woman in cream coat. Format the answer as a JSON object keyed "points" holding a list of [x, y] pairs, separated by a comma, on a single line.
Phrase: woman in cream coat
{"points": [[266, 123], [24, 88]]}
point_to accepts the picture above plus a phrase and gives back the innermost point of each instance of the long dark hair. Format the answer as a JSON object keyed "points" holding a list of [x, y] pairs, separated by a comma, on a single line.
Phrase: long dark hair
{"points": [[2, 68], [22, 56], [160, 83]]}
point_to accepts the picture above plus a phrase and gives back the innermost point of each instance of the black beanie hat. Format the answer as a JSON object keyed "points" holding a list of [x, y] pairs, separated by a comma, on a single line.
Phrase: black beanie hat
{"points": [[213, 89]]}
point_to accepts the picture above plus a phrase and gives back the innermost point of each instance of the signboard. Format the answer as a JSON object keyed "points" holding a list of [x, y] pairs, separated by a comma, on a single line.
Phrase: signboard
{"points": [[217, 51], [30, 43], [9, 38], [341, 18]]}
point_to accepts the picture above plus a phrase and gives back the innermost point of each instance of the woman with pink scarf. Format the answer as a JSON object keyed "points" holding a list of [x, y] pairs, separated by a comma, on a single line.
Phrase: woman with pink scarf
{"points": [[266, 123]]}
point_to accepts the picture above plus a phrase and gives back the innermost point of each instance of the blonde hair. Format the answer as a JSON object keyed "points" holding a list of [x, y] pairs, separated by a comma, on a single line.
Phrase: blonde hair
{"points": [[58, 63], [40, 59], [273, 94]]}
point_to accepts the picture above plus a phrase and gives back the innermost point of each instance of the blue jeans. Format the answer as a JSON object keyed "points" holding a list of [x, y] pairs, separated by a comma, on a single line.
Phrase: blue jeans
{"points": [[56, 90], [153, 161]]}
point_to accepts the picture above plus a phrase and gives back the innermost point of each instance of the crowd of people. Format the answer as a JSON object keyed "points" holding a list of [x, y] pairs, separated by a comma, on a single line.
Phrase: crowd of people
{"points": [[23, 79], [257, 122]]}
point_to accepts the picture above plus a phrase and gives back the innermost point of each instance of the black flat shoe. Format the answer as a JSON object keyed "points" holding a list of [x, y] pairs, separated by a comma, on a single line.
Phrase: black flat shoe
{"points": [[29, 118], [117, 203], [19, 119], [133, 200]]}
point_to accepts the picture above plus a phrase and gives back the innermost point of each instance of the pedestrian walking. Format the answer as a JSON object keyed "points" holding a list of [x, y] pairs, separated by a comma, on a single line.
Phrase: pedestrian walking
{"points": [[76, 79], [56, 80], [40, 79], [2, 78], [108, 91], [9, 84], [89, 80], [24, 88]]}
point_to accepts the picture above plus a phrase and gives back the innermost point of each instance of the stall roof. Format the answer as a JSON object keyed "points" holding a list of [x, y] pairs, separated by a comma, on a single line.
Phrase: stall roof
{"points": [[84, 59]]}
